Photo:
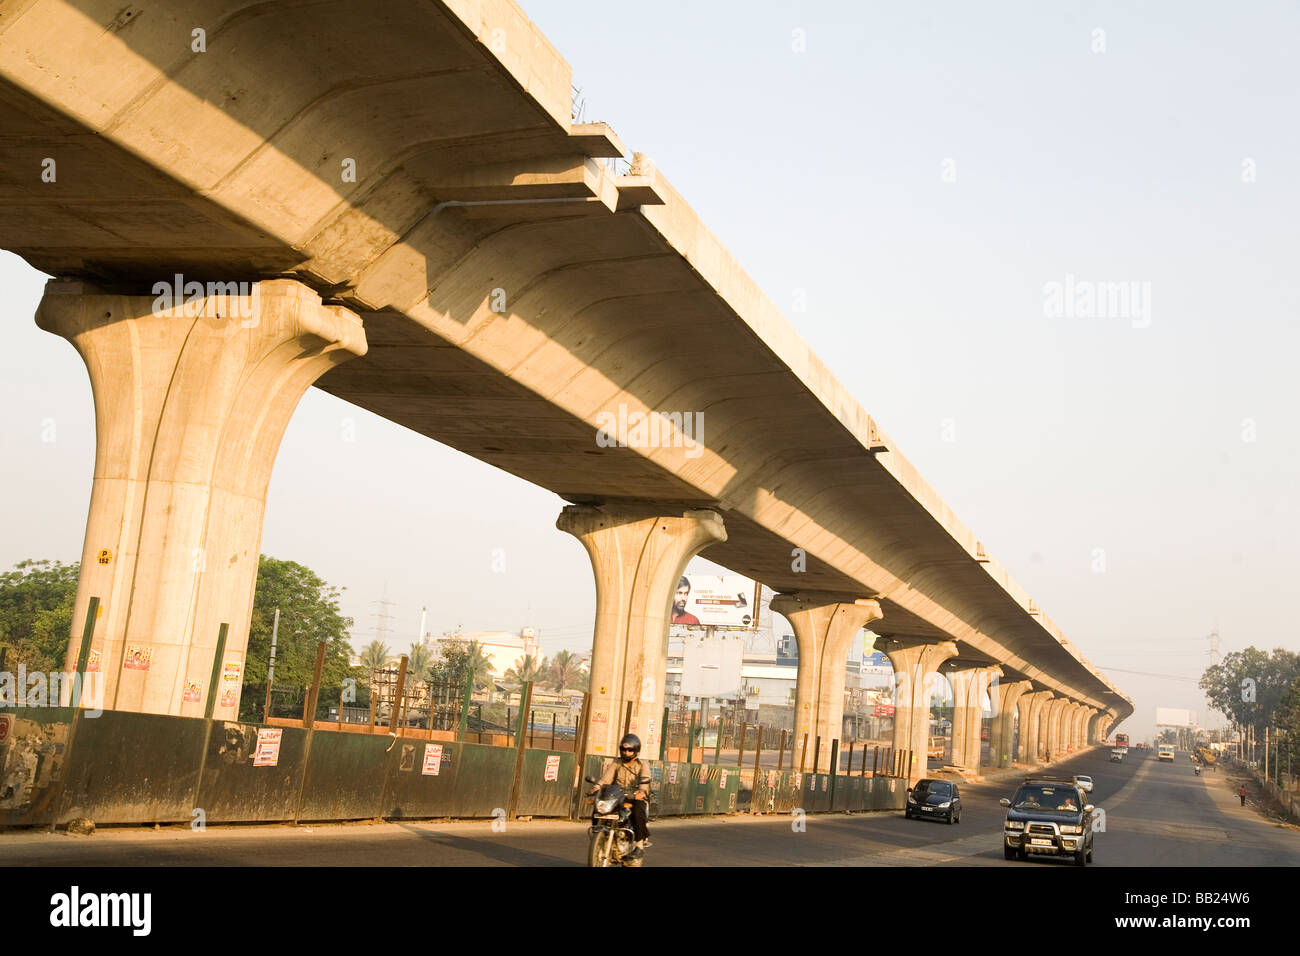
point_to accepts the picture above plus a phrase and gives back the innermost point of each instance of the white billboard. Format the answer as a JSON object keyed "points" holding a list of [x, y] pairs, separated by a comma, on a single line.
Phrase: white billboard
{"points": [[715, 600], [711, 665], [1173, 717]]}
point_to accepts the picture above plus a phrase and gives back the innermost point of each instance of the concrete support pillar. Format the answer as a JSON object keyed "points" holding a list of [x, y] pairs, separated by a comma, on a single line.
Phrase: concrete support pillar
{"points": [[1031, 723], [1052, 727], [191, 401], [916, 666], [1077, 713], [825, 626], [1093, 725], [1081, 727], [638, 558], [970, 683], [1005, 698]]}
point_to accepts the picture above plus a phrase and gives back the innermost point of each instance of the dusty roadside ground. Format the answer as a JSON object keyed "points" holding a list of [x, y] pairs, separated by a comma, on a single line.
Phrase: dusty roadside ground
{"points": [[1256, 799]]}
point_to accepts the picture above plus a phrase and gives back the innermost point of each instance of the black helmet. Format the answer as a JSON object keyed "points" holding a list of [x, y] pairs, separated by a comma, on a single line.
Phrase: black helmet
{"points": [[630, 740]]}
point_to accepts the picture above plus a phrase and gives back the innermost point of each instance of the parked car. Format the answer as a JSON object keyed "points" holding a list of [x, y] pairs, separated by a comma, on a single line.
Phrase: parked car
{"points": [[936, 799], [1084, 782], [1048, 816]]}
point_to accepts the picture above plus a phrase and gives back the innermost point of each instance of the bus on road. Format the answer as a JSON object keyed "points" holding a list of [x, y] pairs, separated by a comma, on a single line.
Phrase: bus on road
{"points": [[1121, 740]]}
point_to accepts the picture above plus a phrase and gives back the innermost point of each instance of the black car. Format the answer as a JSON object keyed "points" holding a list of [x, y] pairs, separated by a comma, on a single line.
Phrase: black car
{"points": [[1048, 816], [938, 799]]}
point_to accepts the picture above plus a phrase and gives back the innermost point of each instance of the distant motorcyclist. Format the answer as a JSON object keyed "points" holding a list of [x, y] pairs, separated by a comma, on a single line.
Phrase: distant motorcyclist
{"points": [[633, 776]]}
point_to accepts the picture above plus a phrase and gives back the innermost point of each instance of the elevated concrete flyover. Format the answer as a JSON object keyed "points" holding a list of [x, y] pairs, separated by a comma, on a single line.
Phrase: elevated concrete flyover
{"points": [[415, 165]]}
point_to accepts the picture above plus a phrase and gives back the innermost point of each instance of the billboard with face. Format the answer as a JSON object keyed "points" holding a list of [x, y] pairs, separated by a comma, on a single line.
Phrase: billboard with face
{"points": [[715, 600]]}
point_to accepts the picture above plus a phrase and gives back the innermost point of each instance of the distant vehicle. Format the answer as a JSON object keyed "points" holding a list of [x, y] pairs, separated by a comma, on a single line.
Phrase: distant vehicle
{"points": [[1121, 740], [1117, 754], [1048, 815], [1084, 782], [936, 799], [1165, 752]]}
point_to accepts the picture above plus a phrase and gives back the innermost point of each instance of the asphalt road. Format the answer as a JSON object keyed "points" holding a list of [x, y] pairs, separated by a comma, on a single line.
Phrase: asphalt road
{"points": [[1155, 815]]}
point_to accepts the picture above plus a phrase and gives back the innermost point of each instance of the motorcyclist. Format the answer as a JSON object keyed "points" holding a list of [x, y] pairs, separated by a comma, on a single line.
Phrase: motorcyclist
{"points": [[631, 773]]}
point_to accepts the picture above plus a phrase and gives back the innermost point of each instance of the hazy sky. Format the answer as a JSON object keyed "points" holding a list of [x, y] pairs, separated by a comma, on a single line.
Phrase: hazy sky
{"points": [[918, 178]]}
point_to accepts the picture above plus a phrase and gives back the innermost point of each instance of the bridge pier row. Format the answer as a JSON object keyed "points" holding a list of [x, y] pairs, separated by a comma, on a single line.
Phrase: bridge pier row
{"points": [[1053, 727], [824, 627], [1093, 725], [638, 558], [969, 684], [190, 408], [1005, 699], [1031, 712], [1081, 726], [916, 664]]}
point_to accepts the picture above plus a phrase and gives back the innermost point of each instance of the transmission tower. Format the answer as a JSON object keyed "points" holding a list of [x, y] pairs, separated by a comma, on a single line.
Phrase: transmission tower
{"points": [[382, 617]]}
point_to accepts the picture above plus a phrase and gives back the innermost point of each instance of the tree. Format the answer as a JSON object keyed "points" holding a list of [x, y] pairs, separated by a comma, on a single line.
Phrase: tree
{"points": [[526, 669], [459, 659], [418, 661], [565, 671], [309, 612], [1248, 686], [36, 613], [376, 656]]}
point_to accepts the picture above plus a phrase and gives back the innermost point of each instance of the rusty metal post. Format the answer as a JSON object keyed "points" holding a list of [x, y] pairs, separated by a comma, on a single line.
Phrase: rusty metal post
{"points": [[740, 754], [780, 754], [690, 741], [341, 691], [397, 694], [817, 752], [627, 719], [463, 721], [852, 743], [803, 754], [579, 758], [911, 759], [875, 761], [717, 742], [532, 722], [372, 705], [835, 767], [309, 717], [480, 723], [552, 730], [525, 698]]}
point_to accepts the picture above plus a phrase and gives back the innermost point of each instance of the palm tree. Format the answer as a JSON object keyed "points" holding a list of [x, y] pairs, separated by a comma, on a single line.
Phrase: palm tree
{"points": [[480, 665], [565, 671], [526, 669], [376, 656], [418, 661]]}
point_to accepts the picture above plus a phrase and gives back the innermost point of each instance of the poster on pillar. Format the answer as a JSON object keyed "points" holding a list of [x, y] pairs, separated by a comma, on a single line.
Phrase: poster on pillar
{"points": [[715, 600]]}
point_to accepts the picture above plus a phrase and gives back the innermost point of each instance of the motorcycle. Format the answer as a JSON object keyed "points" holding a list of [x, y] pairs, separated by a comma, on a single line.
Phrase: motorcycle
{"points": [[1198, 770], [612, 840]]}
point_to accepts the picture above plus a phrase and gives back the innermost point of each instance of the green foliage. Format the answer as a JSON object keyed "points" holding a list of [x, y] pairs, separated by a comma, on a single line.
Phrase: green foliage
{"points": [[376, 656], [458, 660], [36, 613], [566, 672], [1270, 677], [527, 669], [309, 612]]}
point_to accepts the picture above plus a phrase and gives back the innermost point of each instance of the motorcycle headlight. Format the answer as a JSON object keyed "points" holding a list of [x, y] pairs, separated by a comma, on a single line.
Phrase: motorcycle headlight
{"points": [[604, 806], [1074, 830], [1015, 824]]}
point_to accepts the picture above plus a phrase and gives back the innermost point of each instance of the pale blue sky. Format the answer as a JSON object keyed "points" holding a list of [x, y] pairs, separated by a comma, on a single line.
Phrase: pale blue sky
{"points": [[822, 171]]}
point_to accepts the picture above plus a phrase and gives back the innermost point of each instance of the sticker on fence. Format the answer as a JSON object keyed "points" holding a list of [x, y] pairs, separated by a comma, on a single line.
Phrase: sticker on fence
{"points": [[268, 747], [892, 781], [138, 657], [796, 780], [230, 672], [92, 662], [699, 803], [826, 781], [672, 773], [771, 778], [6, 724], [722, 779], [193, 692], [704, 774], [598, 717], [432, 760], [552, 768]]}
